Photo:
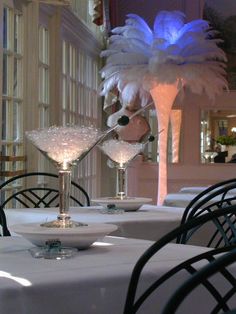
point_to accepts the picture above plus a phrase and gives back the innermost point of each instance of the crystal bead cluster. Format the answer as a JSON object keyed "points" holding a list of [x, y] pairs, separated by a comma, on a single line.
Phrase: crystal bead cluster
{"points": [[121, 151], [63, 144]]}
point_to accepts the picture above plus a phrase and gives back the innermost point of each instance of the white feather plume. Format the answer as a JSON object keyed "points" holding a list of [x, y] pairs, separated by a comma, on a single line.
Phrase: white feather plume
{"points": [[138, 58]]}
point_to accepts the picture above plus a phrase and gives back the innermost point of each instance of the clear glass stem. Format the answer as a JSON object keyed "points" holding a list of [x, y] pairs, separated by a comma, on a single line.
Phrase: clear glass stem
{"points": [[64, 195], [121, 183], [63, 219]]}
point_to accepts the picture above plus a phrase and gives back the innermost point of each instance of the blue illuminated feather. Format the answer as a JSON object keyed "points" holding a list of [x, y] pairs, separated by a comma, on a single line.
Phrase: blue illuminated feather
{"points": [[138, 58]]}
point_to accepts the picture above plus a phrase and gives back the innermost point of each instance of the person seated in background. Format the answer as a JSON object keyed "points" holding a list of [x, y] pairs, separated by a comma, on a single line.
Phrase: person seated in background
{"points": [[233, 159], [220, 157]]}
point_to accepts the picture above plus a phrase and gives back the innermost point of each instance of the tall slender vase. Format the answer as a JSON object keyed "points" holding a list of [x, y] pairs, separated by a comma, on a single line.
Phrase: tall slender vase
{"points": [[163, 97]]}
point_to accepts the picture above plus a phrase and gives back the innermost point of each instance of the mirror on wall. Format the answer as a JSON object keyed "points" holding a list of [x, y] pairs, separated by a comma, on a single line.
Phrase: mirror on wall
{"points": [[218, 136]]}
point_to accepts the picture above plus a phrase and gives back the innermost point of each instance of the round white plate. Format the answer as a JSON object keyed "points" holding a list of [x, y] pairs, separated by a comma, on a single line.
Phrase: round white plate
{"points": [[81, 237], [128, 204]]}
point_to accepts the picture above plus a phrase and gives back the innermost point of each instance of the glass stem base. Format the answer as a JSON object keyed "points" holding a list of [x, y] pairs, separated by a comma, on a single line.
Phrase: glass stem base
{"points": [[63, 223]]}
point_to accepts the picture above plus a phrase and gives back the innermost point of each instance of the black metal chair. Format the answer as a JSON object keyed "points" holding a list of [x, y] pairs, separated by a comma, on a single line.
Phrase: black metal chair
{"points": [[133, 303], [213, 198], [213, 235], [221, 291], [219, 191], [32, 195]]}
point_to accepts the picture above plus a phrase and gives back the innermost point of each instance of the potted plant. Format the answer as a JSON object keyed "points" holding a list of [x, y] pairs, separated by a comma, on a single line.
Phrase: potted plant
{"points": [[227, 140]]}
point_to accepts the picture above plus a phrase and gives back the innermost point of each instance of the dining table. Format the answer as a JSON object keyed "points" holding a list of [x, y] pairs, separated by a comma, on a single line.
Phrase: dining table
{"points": [[150, 222], [200, 189], [178, 199], [183, 199], [187, 194], [92, 281], [193, 189]]}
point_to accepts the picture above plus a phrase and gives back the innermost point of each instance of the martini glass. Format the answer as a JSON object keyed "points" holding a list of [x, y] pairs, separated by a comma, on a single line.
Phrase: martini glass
{"points": [[64, 146], [121, 153]]}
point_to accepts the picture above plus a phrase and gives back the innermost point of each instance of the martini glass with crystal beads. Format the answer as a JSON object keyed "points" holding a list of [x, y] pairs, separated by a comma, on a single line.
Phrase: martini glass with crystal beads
{"points": [[121, 152], [64, 145]]}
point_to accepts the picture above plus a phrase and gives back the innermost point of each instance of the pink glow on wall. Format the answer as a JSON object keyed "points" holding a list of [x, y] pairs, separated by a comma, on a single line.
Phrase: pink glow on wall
{"points": [[163, 97]]}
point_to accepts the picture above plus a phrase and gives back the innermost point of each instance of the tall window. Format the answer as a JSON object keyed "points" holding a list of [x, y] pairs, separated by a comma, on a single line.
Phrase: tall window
{"points": [[12, 89], [12, 155], [79, 105], [44, 83], [70, 83], [40, 85], [44, 88]]}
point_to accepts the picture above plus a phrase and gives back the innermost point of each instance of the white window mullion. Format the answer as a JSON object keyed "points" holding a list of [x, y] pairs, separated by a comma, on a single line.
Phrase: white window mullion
{"points": [[13, 161], [44, 89]]}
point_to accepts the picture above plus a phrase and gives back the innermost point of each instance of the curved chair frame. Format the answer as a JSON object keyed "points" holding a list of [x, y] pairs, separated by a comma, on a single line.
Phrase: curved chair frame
{"points": [[132, 303], [200, 277], [219, 189], [204, 202], [30, 199], [225, 231]]}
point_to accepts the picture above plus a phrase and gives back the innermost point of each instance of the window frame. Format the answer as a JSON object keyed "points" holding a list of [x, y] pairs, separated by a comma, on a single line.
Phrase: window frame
{"points": [[61, 22]]}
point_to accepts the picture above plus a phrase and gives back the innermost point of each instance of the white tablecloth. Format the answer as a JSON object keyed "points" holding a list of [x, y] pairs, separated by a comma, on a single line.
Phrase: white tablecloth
{"points": [[183, 199], [94, 281], [193, 189], [149, 223], [178, 199], [199, 189]]}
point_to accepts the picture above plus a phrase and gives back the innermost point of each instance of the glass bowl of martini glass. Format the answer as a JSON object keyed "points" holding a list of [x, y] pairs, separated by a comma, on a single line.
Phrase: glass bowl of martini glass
{"points": [[121, 153]]}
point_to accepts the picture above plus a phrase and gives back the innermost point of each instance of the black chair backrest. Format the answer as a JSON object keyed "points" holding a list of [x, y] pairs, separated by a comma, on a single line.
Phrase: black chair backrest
{"points": [[214, 233], [133, 303], [215, 197], [221, 291], [221, 194], [34, 196]]}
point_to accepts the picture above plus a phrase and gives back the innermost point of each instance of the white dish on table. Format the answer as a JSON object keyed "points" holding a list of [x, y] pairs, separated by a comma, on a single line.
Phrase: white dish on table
{"points": [[128, 203], [79, 237]]}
